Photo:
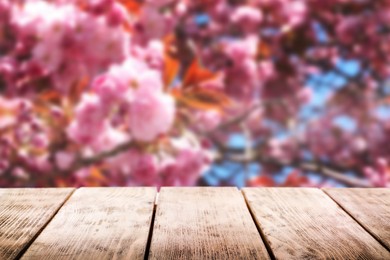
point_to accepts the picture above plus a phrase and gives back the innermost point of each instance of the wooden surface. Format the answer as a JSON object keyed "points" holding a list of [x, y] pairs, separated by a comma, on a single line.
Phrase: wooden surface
{"points": [[307, 224], [194, 223], [204, 223], [98, 223], [23, 214], [370, 207]]}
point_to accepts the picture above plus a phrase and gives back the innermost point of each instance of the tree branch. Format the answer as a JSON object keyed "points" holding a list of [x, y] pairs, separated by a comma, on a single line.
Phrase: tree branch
{"points": [[307, 166], [87, 161]]}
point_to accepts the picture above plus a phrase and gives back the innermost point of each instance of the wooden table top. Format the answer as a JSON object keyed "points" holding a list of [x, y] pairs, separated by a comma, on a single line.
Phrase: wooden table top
{"points": [[194, 223]]}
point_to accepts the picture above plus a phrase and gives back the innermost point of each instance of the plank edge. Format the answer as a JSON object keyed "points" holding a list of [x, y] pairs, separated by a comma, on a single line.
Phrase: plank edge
{"points": [[258, 226], [326, 191], [33, 238]]}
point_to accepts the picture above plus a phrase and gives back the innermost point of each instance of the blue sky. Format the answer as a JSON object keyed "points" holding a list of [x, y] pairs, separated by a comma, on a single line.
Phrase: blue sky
{"points": [[320, 95]]}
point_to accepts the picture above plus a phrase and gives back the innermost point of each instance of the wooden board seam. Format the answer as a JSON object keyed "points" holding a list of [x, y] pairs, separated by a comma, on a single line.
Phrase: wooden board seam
{"points": [[262, 235], [149, 241], [199, 223], [21, 253], [98, 223], [357, 221]]}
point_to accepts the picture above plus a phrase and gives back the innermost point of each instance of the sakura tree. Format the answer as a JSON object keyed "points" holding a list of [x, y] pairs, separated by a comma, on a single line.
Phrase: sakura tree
{"points": [[131, 92]]}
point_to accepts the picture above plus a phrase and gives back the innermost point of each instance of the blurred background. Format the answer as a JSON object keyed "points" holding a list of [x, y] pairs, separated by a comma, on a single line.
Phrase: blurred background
{"points": [[183, 93]]}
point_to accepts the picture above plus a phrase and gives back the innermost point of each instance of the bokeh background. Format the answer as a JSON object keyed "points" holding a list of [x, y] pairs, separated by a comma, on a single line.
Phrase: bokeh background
{"points": [[184, 93]]}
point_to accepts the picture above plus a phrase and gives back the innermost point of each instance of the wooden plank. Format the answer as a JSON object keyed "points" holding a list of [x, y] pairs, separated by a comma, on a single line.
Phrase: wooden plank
{"points": [[370, 207], [98, 223], [306, 224], [23, 214], [204, 223]]}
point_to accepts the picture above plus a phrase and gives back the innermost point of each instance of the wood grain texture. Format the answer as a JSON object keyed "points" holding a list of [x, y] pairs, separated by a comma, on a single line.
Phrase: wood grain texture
{"points": [[307, 224], [370, 207], [98, 223], [204, 223], [23, 214]]}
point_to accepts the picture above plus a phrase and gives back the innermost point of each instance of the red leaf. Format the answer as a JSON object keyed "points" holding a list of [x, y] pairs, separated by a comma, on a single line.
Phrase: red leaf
{"points": [[263, 50], [52, 96], [132, 6], [171, 69], [96, 177], [78, 88], [200, 98], [261, 181], [196, 74], [295, 179], [6, 112]]}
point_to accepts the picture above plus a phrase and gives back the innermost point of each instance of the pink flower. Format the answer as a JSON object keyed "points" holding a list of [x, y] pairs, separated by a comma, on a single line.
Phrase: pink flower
{"points": [[359, 144], [240, 50], [248, 18], [64, 160], [379, 175], [119, 83], [186, 164], [296, 12], [282, 149], [266, 70], [98, 7], [305, 95], [70, 43], [184, 169], [348, 28], [154, 23], [241, 80], [153, 54], [89, 121], [131, 74], [143, 168], [241, 76], [116, 15], [137, 167], [130, 93], [109, 138], [109, 89], [207, 120], [151, 113]]}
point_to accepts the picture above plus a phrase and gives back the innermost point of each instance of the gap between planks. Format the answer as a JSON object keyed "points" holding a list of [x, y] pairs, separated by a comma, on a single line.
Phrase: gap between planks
{"points": [[152, 222], [151, 230], [326, 191], [351, 213], [24, 212], [261, 232], [307, 224], [149, 241], [19, 256], [98, 223], [150, 233], [204, 223]]}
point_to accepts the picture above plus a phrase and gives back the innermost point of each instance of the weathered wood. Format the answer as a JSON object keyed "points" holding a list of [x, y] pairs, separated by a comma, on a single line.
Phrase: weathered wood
{"points": [[370, 207], [204, 223], [23, 214], [98, 223], [307, 224]]}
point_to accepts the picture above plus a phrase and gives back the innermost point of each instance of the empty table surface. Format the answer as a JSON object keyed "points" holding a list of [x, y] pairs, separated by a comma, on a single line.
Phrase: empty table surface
{"points": [[194, 223]]}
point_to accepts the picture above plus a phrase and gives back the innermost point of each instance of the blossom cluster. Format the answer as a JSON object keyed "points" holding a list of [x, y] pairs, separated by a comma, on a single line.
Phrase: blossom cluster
{"points": [[56, 47], [112, 92]]}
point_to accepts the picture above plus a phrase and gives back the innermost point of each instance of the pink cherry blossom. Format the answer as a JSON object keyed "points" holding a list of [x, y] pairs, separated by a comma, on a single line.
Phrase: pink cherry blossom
{"points": [[64, 160], [88, 116], [248, 18], [67, 33], [151, 114], [84, 97], [296, 12]]}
